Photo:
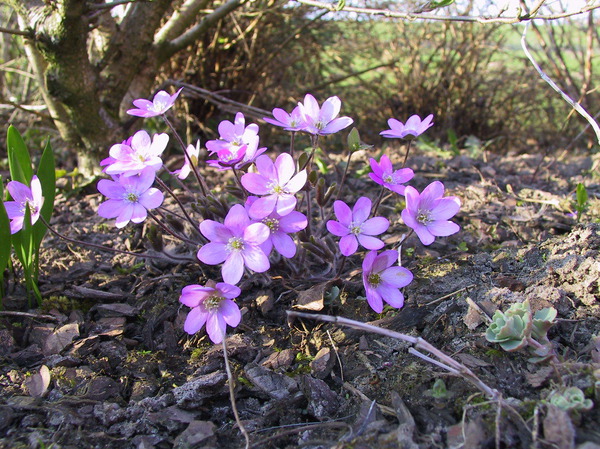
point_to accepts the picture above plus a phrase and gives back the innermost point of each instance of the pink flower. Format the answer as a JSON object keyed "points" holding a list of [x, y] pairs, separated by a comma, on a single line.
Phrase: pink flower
{"points": [[236, 134], [323, 120], [211, 305], [160, 104], [23, 197], [236, 242], [279, 228], [277, 181], [356, 227], [192, 153], [289, 122], [129, 197], [384, 174], [382, 280], [228, 157], [414, 127], [130, 160], [428, 213]]}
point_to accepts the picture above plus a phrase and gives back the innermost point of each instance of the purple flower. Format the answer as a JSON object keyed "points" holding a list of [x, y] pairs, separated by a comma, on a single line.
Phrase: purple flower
{"points": [[130, 160], [356, 227], [384, 174], [228, 157], [414, 127], [277, 181], [322, 120], [236, 242], [129, 197], [192, 154], [289, 122], [279, 228], [236, 134], [160, 104], [23, 197], [211, 305], [382, 280], [428, 213]]}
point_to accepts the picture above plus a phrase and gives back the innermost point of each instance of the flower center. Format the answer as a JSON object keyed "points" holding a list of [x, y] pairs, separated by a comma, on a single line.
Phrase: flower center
{"points": [[424, 217], [355, 228], [276, 189], [213, 303], [235, 244], [374, 280], [320, 125], [272, 224], [131, 197], [389, 179]]}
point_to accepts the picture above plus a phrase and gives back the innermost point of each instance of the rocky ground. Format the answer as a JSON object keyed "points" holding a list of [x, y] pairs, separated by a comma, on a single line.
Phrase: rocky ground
{"points": [[104, 362]]}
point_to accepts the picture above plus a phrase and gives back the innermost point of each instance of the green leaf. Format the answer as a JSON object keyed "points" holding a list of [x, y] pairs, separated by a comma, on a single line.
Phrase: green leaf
{"points": [[353, 140], [340, 5], [441, 3], [47, 175], [582, 196], [5, 240], [19, 161]]}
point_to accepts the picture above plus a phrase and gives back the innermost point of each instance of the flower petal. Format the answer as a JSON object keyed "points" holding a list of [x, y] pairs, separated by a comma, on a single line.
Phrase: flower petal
{"points": [[370, 242], [397, 277], [375, 226], [230, 312], [348, 244], [336, 228], [443, 228], [195, 321], [255, 259], [233, 268], [216, 327], [213, 253], [343, 213]]}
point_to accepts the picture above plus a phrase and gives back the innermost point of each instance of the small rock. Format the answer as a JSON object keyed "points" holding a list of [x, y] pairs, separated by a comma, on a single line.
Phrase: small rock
{"points": [[265, 301], [275, 385], [7, 342], [6, 417], [115, 310], [102, 388], [60, 338], [28, 356], [281, 359], [143, 388], [197, 432], [323, 363], [322, 401], [146, 441], [192, 394], [172, 418]]}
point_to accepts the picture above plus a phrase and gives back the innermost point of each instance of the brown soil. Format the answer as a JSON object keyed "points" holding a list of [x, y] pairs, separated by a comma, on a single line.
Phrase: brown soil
{"points": [[122, 373]]}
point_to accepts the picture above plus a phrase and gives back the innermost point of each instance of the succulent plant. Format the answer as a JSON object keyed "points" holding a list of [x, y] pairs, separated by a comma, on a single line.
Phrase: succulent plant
{"points": [[571, 400], [511, 329], [542, 321]]}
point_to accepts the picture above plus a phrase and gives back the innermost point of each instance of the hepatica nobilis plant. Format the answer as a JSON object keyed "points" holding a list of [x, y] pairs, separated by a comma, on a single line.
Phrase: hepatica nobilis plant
{"points": [[271, 214]]}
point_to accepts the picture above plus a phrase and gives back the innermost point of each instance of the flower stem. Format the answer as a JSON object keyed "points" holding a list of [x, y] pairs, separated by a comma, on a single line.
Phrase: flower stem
{"points": [[232, 395], [339, 193], [378, 201], [197, 174], [170, 231], [292, 139], [161, 183], [406, 155]]}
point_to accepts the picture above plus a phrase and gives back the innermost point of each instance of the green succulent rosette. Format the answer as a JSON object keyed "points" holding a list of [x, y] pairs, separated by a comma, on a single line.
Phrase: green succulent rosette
{"points": [[572, 399], [511, 329]]}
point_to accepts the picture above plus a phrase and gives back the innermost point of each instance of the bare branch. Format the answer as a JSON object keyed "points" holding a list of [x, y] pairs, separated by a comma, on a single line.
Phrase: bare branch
{"points": [[28, 34], [100, 6], [434, 17], [182, 18], [552, 84], [191, 35]]}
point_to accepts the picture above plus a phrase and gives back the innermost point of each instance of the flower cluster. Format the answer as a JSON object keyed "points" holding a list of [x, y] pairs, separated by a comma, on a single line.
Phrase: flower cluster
{"points": [[264, 226]]}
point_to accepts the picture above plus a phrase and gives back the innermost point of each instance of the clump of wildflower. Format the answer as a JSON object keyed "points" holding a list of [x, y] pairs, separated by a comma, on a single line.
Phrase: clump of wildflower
{"points": [[354, 226], [413, 128], [383, 279], [236, 242], [140, 152], [212, 305], [24, 197], [277, 182], [129, 197], [322, 120], [160, 104], [385, 175], [428, 213]]}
